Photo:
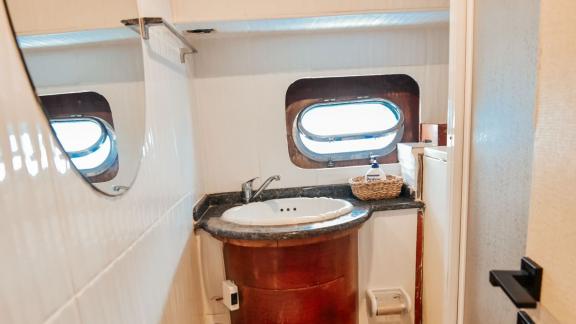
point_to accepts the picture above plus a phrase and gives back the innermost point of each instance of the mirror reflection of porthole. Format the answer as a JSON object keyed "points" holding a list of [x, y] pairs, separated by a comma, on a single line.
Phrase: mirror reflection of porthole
{"points": [[87, 72]]}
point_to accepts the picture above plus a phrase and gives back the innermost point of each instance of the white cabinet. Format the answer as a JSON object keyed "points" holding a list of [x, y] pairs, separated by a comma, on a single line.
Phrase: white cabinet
{"points": [[440, 245]]}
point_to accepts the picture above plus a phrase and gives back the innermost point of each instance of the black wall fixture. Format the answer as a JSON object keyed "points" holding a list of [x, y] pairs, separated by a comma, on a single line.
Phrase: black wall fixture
{"points": [[524, 318], [201, 31], [522, 287]]}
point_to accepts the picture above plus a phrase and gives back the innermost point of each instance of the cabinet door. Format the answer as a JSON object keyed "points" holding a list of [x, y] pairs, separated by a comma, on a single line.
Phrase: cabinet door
{"points": [[291, 267], [333, 302]]}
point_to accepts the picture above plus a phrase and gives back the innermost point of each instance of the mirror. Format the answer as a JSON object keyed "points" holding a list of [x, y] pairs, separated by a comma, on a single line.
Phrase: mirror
{"points": [[87, 71]]}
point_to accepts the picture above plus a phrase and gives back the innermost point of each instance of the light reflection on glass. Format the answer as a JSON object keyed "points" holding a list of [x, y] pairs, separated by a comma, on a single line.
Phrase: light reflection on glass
{"points": [[358, 145], [16, 158], [16, 162], [43, 154], [2, 167], [150, 139], [349, 118], [147, 143], [94, 159], [77, 135], [28, 150], [13, 142], [60, 159]]}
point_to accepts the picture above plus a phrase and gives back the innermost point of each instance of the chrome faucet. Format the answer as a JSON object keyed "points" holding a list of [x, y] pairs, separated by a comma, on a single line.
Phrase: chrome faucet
{"points": [[248, 192]]}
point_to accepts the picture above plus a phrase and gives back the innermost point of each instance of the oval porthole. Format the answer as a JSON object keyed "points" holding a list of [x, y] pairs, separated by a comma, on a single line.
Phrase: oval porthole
{"points": [[349, 130], [90, 143]]}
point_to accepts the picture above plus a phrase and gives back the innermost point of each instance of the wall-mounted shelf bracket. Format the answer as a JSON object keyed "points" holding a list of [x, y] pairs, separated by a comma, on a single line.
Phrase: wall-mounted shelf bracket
{"points": [[522, 287], [183, 53], [142, 25]]}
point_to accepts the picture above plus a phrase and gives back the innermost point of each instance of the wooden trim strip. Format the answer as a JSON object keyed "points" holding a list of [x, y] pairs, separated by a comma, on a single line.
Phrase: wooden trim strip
{"points": [[419, 268]]}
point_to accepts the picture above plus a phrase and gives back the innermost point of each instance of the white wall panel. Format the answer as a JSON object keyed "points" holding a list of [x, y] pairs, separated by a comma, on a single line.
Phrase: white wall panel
{"points": [[135, 286], [195, 10], [387, 258], [183, 304], [68, 252], [241, 84], [31, 239], [67, 314]]}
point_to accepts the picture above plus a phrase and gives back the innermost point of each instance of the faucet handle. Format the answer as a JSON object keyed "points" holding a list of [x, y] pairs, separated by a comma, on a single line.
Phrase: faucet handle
{"points": [[249, 182], [247, 190]]}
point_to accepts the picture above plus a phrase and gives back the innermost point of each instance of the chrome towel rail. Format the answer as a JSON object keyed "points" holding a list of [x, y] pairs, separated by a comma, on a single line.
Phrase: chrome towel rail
{"points": [[141, 26]]}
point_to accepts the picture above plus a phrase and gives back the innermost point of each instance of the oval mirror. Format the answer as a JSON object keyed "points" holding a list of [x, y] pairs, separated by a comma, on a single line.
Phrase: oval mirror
{"points": [[87, 71]]}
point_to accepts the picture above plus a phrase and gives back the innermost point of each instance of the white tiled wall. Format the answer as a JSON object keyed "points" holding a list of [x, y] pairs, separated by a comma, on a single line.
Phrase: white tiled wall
{"points": [[241, 84], [69, 254]]}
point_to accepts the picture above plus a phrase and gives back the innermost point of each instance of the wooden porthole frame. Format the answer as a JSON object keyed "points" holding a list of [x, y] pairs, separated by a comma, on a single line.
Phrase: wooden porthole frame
{"points": [[400, 89]]}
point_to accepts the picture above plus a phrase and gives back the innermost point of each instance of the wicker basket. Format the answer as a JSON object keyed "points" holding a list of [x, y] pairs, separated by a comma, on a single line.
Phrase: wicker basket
{"points": [[376, 190]]}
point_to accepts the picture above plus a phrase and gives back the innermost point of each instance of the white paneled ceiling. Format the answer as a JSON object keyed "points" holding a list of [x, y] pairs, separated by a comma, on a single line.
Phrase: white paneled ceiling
{"points": [[372, 20], [75, 38]]}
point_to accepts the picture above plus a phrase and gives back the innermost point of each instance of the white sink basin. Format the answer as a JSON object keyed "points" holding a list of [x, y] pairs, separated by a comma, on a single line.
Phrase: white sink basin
{"points": [[287, 211]]}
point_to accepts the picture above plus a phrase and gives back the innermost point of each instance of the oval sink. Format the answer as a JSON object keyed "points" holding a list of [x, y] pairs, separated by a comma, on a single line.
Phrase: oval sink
{"points": [[287, 211]]}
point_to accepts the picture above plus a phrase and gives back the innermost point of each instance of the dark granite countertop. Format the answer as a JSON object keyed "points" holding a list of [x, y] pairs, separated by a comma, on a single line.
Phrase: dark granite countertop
{"points": [[208, 211]]}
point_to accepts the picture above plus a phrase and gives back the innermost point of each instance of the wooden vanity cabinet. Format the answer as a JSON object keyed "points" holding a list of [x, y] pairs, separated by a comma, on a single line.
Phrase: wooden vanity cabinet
{"points": [[300, 281]]}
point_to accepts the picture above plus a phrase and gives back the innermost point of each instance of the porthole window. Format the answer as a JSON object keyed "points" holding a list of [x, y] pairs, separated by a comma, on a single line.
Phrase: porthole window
{"points": [[89, 141], [83, 124], [349, 130], [345, 121]]}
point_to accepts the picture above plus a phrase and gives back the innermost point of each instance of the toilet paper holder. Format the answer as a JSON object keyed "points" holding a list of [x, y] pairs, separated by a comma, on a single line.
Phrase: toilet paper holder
{"points": [[388, 301]]}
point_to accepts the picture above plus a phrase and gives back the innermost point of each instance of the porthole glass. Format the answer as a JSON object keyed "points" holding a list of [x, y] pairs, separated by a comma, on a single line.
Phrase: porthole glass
{"points": [[349, 130], [77, 134], [90, 142], [349, 118]]}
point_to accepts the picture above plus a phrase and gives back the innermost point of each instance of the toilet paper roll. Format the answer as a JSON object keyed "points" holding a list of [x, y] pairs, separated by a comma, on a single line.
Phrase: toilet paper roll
{"points": [[384, 309]]}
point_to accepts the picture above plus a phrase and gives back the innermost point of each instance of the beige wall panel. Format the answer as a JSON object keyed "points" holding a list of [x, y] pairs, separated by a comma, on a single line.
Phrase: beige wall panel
{"points": [[42, 16], [184, 304], [552, 228]]}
